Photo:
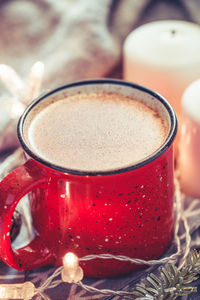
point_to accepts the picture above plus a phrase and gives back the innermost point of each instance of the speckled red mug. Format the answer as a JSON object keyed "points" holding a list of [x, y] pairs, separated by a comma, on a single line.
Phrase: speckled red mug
{"points": [[128, 211]]}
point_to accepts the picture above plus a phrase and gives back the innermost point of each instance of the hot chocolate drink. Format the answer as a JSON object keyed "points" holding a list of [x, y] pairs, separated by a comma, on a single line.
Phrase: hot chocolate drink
{"points": [[96, 131], [99, 177]]}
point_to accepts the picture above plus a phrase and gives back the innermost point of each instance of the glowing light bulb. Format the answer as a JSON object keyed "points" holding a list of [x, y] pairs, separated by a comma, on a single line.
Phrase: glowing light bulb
{"points": [[11, 80], [34, 81], [71, 272], [38, 68], [16, 109], [23, 291], [70, 260]]}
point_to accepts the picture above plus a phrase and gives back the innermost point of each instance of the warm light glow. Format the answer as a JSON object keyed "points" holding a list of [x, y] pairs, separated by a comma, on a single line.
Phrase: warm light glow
{"points": [[71, 272], [67, 189], [34, 81], [37, 69], [70, 260], [16, 110], [11, 80], [23, 291]]}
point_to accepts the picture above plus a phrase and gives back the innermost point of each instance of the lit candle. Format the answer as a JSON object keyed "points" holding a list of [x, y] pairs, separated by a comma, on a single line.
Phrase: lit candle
{"points": [[189, 146], [164, 56]]}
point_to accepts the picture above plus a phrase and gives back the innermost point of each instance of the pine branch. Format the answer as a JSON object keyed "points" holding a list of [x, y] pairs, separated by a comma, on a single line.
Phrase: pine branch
{"points": [[171, 282]]}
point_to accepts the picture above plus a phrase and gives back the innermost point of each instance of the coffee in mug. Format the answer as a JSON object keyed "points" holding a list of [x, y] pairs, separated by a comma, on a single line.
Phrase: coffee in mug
{"points": [[99, 173], [99, 131]]}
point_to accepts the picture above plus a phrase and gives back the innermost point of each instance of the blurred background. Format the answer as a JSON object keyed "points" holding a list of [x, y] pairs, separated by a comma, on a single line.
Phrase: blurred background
{"points": [[77, 39]]}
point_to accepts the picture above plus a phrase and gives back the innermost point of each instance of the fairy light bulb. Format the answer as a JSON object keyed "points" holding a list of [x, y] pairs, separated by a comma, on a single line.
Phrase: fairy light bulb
{"points": [[71, 272], [70, 260], [23, 291], [16, 109], [34, 81], [11, 80], [38, 69]]}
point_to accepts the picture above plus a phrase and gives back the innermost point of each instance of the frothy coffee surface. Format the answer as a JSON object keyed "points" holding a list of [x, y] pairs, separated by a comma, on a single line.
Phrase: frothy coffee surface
{"points": [[96, 132]]}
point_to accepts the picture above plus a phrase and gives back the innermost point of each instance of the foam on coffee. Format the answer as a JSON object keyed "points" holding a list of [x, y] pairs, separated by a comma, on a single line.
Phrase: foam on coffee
{"points": [[96, 131]]}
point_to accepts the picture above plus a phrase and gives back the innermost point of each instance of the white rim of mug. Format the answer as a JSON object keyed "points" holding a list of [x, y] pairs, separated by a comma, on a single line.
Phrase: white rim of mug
{"points": [[164, 147]]}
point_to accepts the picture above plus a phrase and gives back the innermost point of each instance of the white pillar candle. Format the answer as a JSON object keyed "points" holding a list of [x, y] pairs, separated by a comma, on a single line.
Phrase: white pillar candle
{"points": [[189, 145], [164, 56]]}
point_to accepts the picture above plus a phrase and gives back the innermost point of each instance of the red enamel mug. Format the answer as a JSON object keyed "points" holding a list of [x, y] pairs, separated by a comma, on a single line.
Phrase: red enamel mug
{"points": [[126, 211]]}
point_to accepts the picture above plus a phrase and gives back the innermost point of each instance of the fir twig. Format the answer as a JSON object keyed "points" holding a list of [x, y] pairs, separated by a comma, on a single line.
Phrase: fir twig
{"points": [[171, 282]]}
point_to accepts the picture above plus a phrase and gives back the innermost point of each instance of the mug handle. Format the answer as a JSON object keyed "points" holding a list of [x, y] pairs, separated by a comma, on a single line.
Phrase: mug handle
{"points": [[12, 188]]}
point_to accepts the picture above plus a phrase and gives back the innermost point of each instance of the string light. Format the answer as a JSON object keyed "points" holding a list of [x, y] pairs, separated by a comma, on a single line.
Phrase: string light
{"points": [[16, 109], [23, 91], [17, 291], [71, 272], [21, 94], [11, 80], [34, 82]]}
